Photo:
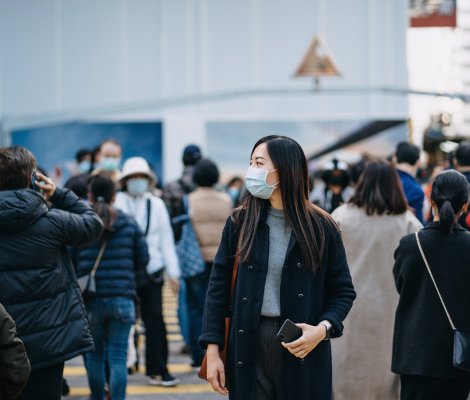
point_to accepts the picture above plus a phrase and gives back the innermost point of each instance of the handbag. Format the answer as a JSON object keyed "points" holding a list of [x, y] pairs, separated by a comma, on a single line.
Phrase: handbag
{"points": [[188, 250], [461, 356], [228, 320], [87, 282]]}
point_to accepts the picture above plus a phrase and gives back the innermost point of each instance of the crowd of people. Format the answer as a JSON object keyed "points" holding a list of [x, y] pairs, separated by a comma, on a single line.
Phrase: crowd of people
{"points": [[368, 249]]}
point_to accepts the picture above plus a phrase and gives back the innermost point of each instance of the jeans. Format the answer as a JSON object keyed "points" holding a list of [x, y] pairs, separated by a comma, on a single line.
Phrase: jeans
{"points": [[183, 311], [156, 344], [44, 384], [110, 322], [196, 288]]}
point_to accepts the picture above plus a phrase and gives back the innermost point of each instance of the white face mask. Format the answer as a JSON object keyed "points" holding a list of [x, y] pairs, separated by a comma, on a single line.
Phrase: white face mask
{"points": [[137, 186], [255, 181]]}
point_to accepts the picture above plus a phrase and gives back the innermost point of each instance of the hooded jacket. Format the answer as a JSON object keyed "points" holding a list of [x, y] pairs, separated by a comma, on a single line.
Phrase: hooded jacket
{"points": [[38, 286]]}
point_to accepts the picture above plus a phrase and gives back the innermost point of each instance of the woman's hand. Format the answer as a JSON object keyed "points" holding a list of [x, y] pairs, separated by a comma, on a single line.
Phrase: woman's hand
{"points": [[216, 370], [312, 335]]}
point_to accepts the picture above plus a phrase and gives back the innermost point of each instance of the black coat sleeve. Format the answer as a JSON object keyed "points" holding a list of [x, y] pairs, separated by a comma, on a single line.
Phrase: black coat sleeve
{"points": [[14, 363], [217, 299], [79, 224], [339, 289]]}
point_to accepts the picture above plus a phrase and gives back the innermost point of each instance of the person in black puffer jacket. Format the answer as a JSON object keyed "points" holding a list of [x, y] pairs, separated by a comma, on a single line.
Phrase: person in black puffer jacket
{"points": [[14, 363], [38, 287], [111, 309]]}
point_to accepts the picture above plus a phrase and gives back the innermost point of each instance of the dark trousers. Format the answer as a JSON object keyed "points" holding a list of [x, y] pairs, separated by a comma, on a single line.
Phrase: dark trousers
{"points": [[415, 387], [44, 384], [196, 288], [156, 345], [269, 369]]}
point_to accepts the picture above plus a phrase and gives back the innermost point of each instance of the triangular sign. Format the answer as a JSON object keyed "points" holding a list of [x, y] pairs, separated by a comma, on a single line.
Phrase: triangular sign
{"points": [[317, 61]]}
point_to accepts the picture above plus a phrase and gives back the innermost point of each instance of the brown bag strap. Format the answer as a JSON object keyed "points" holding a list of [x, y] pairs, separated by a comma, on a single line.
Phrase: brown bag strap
{"points": [[98, 259], [234, 275]]}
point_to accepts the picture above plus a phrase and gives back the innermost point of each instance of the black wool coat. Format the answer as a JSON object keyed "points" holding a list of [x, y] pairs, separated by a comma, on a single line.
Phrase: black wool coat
{"points": [[305, 298], [38, 286], [423, 338]]}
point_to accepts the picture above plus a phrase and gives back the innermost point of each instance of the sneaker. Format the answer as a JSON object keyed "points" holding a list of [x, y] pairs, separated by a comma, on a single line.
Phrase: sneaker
{"points": [[166, 380]]}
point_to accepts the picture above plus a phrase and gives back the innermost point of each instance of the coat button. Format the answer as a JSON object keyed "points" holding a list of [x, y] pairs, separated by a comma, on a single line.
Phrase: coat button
{"points": [[302, 361], [250, 267], [286, 266], [244, 300], [241, 332], [299, 265], [300, 296], [240, 364]]}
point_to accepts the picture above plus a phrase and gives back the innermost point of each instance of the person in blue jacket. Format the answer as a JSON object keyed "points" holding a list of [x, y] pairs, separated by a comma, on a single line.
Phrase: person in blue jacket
{"points": [[111, 310]]}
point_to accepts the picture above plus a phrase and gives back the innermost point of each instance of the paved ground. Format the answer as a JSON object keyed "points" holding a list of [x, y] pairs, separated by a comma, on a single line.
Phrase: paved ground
{"points": [[191, 387]]}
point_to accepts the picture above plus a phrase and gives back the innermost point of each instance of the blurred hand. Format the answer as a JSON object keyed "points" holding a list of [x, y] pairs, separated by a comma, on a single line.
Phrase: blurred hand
{"points": [[175, 285], [312, 335], [216, 370], [46, 184]]}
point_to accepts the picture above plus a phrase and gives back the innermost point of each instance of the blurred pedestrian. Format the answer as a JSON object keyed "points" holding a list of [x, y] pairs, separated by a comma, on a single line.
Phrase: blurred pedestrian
{"points": [[208, 210], [116, 257], [83, 160], [334, 190], [152, 216], [172, 195], [236, 190], [14, 363], [407, 163], [37, 282], [372, 224], [79, 185], [292, 265], [462, 163], [423, 337], [108, 159]]}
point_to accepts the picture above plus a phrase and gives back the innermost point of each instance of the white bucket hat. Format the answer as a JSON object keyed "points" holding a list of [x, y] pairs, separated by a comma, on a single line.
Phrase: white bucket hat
{"points": [[137, 165]]}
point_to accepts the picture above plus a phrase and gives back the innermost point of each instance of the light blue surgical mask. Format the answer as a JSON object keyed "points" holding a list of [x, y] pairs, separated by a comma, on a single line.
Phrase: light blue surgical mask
{"points": [[110, 164], [233, 192], [84, 167], [256, 184], [137, 186]]}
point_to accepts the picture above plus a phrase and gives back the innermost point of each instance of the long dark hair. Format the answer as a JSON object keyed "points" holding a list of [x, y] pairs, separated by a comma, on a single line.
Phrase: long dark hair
{"points": [[304, 217], [102, 190], [379, 190], [449, 193]]}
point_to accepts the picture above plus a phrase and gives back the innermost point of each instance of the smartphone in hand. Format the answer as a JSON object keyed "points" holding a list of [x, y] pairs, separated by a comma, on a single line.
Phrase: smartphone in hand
{"points": [[289, 332]]}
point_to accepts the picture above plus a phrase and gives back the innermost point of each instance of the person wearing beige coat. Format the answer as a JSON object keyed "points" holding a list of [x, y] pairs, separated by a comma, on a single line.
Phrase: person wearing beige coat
{"points": [[372, 224], [208, 211]]}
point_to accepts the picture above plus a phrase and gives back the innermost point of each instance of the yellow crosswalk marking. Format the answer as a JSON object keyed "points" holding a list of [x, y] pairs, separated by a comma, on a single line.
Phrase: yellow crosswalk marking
{"points": [[173, 368], [133, 390]]}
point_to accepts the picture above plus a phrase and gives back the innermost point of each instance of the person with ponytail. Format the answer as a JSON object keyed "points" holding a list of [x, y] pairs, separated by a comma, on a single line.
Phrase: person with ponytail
{"points": [[423, 335], [111, 308], [291, 265]]}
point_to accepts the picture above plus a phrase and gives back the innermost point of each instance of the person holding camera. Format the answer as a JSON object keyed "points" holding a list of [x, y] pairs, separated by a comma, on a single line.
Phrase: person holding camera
{"points": [[38, 286], [291, 265]]}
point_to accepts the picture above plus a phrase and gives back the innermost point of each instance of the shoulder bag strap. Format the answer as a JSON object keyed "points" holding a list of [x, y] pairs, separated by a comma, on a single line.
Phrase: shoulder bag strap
{"points": [[433, 281], [149, 211], [98, 259]]}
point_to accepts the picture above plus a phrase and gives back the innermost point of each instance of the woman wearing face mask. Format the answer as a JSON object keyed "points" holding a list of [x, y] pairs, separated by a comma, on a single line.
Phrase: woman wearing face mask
{"points": [[137, 181], [117, 258], [292, 265]]}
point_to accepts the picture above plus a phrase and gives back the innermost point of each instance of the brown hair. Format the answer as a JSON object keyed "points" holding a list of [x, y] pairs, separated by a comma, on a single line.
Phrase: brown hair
{"points": [[306, 219], [16, 167], [379, 190]]}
